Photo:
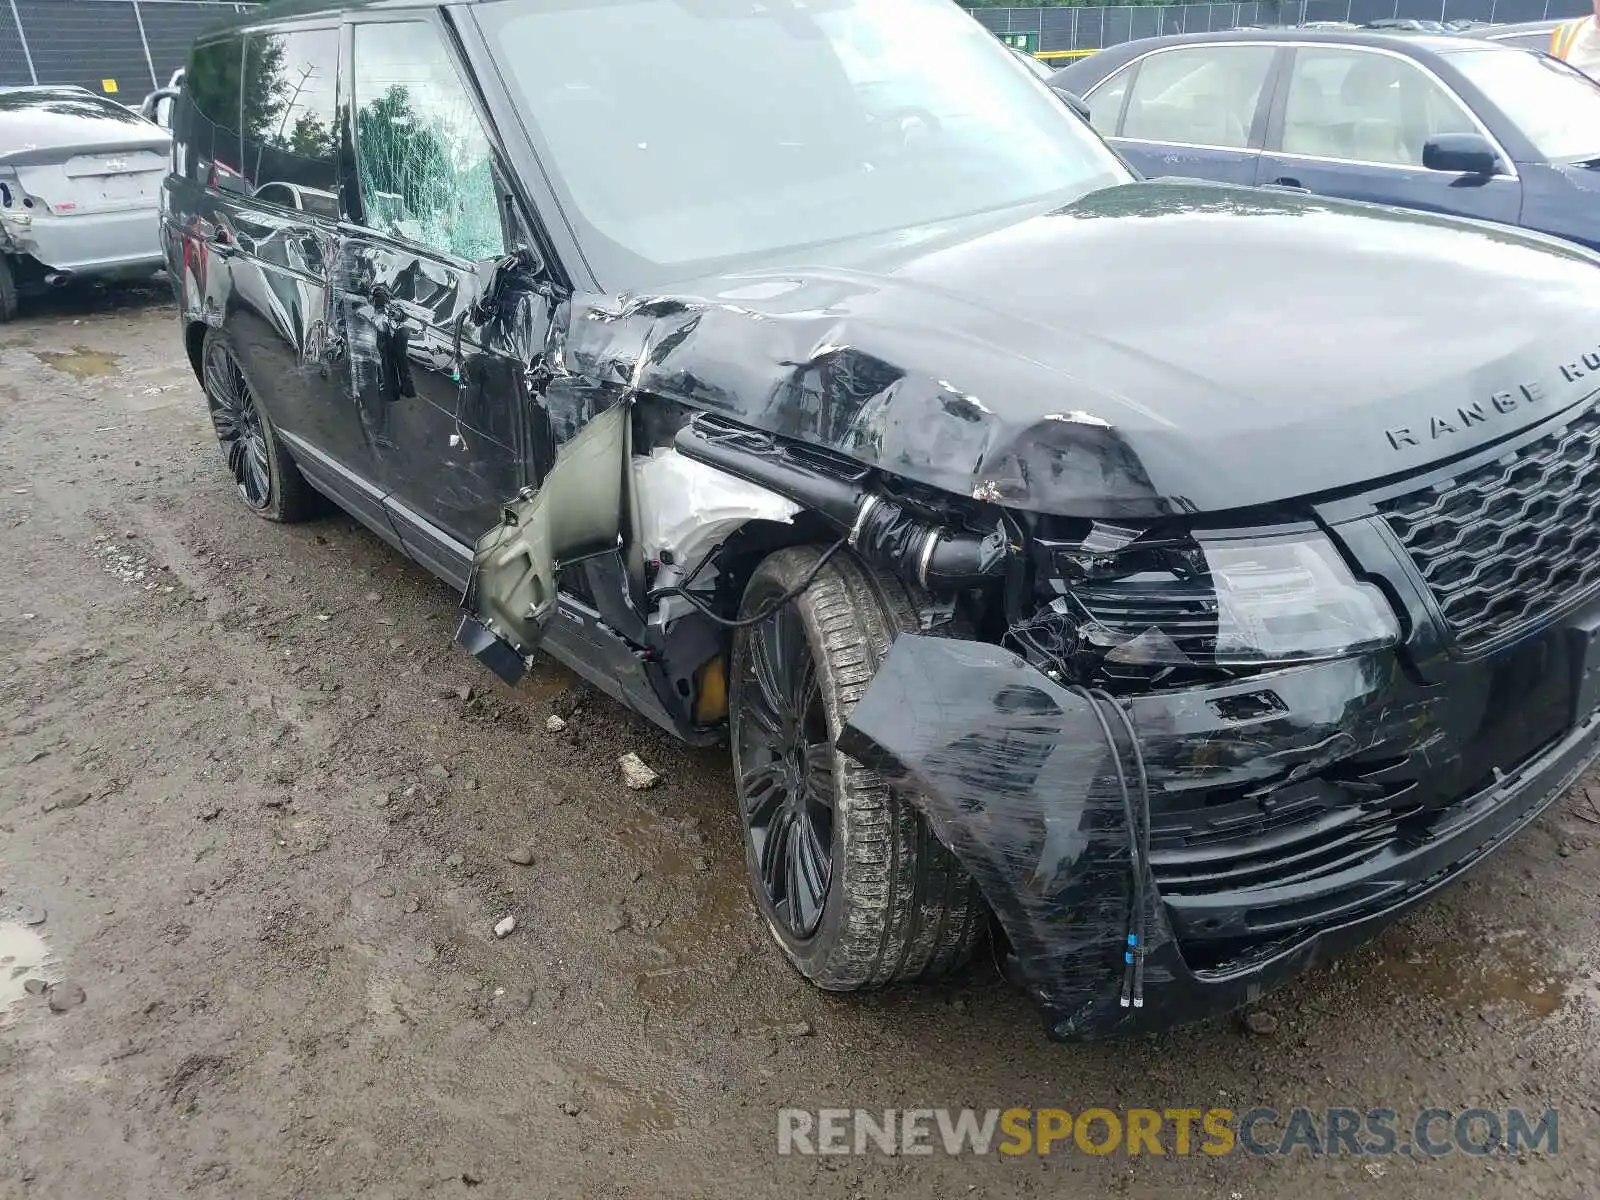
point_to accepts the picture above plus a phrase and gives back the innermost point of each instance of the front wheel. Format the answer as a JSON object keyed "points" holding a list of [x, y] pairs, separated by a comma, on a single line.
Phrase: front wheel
{"points": [[852, 883]]}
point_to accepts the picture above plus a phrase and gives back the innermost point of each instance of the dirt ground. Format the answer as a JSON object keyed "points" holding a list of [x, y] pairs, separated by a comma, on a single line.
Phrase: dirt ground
{"points": [[258, 808]]}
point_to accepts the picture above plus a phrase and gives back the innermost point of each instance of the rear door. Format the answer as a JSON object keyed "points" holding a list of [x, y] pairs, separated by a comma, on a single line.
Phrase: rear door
{"points": [[1352, 122], [441, 318], [1197, 111], [269, 163]]}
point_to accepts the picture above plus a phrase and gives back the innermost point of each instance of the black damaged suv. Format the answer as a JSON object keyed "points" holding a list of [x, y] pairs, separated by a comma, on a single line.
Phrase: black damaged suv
{"points": [[1173, 581]]}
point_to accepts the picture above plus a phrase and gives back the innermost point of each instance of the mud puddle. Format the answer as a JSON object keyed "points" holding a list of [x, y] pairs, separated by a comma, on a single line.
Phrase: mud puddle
{"points": [[80, 362], [633, 1110], [1495, 970], [23, 954]]}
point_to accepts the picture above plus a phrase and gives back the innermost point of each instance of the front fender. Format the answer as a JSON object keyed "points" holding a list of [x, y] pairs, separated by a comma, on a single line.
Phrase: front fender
{"points": [[1016, 776]]}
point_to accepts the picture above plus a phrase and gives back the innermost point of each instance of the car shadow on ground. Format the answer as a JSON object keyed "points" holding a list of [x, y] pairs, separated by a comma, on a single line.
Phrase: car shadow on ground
{"points": [[81, 299]]}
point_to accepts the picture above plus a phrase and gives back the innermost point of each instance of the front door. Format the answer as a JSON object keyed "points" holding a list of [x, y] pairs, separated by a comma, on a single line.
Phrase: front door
{"points": [[1353, 123], [441, 322], [1192, 111]]}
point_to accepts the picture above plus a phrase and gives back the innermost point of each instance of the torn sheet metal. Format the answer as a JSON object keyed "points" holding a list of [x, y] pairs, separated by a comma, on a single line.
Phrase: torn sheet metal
{"points": [[686, 508], [16, 227], [576, 513], [800, 369]]}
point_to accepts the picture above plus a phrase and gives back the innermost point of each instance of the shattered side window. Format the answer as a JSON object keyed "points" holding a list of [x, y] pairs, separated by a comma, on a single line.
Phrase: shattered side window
{"points": [[421, 153]]}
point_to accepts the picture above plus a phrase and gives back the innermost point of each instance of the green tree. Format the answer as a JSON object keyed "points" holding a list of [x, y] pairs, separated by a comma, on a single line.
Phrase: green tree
{"points": [[431, 176], [310, 138]]}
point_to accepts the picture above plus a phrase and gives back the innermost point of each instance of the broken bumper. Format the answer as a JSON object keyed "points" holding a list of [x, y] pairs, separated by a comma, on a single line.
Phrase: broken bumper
{"points": [[1292, 815], [114, 244]]}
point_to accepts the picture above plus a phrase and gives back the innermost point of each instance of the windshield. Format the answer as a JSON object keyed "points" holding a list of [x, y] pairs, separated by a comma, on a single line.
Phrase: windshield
{"points": [[685, 133], [1555, 107]]}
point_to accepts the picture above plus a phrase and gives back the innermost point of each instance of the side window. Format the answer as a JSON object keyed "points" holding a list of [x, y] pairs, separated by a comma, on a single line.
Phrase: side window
{"points": [[422, 156], [211, 83], [1366, 107], [1198, 95], [1105, 104], [289, 112]]}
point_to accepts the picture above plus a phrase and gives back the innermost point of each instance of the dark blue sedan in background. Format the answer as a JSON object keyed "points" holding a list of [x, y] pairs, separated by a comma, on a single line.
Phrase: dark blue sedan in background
{"points": [[1448, 124]]}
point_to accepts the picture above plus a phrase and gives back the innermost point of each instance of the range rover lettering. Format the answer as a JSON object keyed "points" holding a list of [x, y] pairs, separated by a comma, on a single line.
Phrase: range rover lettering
{"points": [[1145, 574]]}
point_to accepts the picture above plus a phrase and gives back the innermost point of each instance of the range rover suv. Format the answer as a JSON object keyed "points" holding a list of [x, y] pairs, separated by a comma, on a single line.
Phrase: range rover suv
{"points": [[1173, 582]]}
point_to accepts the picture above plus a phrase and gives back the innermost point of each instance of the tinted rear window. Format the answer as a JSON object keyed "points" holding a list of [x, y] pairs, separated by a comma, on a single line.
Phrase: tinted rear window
{"points": [[212, 82], [288, 113]]}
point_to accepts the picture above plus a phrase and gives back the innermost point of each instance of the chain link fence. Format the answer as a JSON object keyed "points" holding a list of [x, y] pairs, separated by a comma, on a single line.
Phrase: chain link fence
{"points": [[127, 47], [122, 48], [1058, 29]]}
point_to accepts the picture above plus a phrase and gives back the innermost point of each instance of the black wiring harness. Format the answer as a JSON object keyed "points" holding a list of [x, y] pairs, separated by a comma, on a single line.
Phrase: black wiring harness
{"points": [[1138, 823], [705, 610]]}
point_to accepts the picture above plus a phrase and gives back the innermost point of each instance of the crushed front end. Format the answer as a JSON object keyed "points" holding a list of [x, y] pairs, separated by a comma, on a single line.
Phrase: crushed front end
{"points": [[1189, 762]]}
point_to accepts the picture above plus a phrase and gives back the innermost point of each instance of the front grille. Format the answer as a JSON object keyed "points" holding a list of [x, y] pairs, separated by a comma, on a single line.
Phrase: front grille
{"points": [[1511, 542], [1277, 836]]}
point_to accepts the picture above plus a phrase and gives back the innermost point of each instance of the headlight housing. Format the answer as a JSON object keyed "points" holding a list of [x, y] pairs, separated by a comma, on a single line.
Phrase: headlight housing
{"points": [[1233, 603], [1292, 599]]}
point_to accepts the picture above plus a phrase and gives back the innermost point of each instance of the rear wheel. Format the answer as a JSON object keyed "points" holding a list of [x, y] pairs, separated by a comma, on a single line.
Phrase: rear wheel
{"points": [[852, 883], [268, 481], [8, 291]]}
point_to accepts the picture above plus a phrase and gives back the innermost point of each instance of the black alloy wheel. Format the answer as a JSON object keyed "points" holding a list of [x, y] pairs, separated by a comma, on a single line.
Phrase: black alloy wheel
{"points": [[851, 882], [785, 759], [238, 423]]}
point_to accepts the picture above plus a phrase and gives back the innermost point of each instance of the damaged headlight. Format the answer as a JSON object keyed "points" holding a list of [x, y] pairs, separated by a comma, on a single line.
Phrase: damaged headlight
{"points": [[1291, 598], [1235, 603]]}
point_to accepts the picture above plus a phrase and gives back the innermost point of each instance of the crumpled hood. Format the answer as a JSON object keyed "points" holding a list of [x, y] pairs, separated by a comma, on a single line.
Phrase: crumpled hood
{"points": [[1156, 347]]}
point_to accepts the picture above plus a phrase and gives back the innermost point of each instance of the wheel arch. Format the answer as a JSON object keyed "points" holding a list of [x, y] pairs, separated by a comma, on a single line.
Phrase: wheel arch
{"points": [[736, 558], [742, 551]]}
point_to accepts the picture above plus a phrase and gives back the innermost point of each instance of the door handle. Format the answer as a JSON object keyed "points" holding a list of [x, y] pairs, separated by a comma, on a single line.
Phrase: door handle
{"points": [[399, 309]]}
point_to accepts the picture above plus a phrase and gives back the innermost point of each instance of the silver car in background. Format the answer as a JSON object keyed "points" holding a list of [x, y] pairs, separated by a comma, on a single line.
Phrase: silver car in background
{"points": [[80, 182]]}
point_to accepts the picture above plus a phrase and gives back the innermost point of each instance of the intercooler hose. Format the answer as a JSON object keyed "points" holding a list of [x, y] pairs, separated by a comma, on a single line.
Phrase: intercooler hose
{"points": [[880, 529], [928, 555]]}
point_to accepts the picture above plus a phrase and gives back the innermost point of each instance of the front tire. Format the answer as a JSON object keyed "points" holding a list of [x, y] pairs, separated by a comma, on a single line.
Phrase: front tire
{"points": [[853, 885], [268, 481]]}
